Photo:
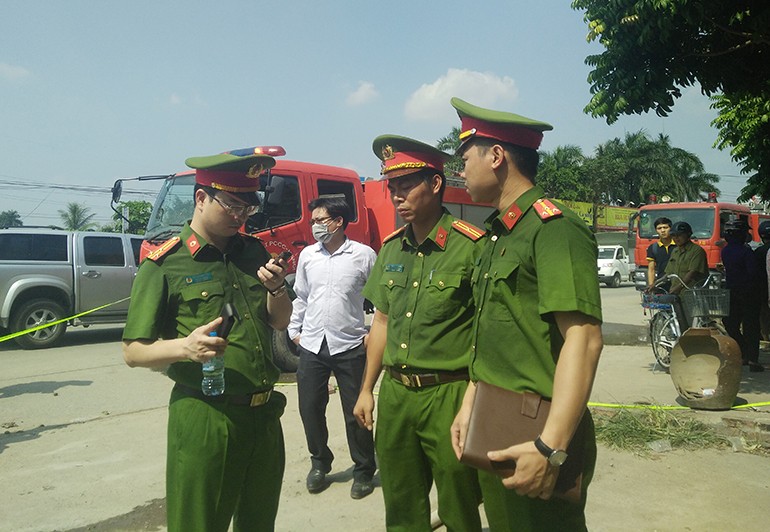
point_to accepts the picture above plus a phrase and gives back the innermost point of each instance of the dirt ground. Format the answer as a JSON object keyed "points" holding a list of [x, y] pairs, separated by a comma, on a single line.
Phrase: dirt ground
{"points": [[679, 491], [83, 448]]}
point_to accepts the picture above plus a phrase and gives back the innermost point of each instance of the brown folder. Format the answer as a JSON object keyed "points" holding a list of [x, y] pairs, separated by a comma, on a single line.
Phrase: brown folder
{"points": [[501, 418]]}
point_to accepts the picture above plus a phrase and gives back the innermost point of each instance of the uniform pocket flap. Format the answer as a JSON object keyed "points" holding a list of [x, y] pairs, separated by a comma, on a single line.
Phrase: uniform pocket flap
{"points": [[202, 291], [443, 280]]}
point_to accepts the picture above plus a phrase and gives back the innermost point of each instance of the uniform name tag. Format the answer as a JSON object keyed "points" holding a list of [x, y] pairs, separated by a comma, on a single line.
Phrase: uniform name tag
{"points": [[201, 277], [394, 267]]}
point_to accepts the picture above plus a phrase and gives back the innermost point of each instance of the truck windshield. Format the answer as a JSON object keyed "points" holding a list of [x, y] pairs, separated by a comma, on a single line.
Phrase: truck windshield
{"points": [[700, 219], [606, 253], [173, 207]]}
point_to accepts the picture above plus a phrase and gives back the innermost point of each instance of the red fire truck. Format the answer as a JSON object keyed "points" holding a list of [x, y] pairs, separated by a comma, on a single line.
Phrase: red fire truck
{"points": [[283, 221], [707, 219]]}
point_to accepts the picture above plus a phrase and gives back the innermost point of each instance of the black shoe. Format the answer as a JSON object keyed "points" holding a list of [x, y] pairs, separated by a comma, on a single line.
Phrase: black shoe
{"points": [[756, 367], [361, 488], [316, 481]]}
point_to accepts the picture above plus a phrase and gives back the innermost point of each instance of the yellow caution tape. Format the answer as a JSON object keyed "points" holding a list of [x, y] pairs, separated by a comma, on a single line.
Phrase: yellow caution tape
{"points": [[670, 407], [52, 323]]}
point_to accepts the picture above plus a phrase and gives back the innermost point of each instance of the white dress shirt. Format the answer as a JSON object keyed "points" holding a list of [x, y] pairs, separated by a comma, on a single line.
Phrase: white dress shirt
{"points": [[329, 301]]}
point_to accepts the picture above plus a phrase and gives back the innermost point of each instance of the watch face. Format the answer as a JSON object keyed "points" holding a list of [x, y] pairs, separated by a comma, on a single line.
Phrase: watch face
{"points": [[557, 458]]}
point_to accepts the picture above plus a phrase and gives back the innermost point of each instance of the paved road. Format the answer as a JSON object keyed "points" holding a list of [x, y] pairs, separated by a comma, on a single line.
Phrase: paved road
{"points": [[85, 435]]}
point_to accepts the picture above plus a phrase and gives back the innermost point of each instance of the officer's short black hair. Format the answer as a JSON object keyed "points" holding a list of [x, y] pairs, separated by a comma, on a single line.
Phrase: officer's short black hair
{"points": [[661, 221], [525, 159], [335, 205]]}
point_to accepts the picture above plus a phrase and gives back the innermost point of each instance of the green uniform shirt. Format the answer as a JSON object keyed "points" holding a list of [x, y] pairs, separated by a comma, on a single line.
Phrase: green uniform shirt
{"points": [[425, 291], [687, 258], [187, 287], [529, 268]]}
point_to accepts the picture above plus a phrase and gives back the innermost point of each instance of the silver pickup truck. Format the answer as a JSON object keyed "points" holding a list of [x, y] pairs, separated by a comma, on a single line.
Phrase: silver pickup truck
{"points": [[47, 275]]}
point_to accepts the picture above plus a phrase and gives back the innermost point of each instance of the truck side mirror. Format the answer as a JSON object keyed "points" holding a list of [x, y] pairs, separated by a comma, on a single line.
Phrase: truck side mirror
{"points": [[117, 190]]}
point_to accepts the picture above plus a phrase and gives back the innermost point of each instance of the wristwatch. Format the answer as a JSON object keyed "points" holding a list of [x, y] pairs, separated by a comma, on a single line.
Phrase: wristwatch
{"points": [[555, 457]]}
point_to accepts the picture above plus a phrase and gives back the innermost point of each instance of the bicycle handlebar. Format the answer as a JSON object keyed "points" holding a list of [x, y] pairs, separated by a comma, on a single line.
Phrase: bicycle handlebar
{"points": [[669, 276]]}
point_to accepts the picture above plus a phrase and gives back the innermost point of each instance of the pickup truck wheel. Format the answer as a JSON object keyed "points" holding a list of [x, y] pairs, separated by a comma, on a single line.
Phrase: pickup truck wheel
{"points": [[285, 353], [34, 313], [615, 282]]}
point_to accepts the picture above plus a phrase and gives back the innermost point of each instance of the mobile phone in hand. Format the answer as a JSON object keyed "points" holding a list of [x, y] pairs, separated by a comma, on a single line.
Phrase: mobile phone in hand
{"points": [[284, 255], [229, 315]]}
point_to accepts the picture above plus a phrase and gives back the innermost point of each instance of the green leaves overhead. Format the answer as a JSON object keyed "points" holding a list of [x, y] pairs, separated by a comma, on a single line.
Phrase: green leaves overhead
{"points": [[654, 48]]}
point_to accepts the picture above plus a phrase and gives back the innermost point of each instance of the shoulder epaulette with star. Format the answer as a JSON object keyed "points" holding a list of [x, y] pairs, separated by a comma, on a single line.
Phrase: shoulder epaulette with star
{"points": [[250, 235], [164, 248], [469, 230], [394, 234], [546, 210]]}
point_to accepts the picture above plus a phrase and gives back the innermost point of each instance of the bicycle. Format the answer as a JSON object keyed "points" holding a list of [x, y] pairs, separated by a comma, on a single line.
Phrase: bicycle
{"points": [[705, 304]]}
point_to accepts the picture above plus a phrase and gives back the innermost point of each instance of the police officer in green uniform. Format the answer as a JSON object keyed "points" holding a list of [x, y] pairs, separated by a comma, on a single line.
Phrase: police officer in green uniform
{"points": [[538, 324], [225, 455], [420, 286]]}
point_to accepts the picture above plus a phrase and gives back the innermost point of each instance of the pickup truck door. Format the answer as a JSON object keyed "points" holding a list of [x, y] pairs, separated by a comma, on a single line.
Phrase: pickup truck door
{"points": [[622, 261], [104, 272]]}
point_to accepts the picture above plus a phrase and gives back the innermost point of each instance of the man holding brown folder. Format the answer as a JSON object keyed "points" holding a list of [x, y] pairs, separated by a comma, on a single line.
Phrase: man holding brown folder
{"points": [[537, 330]]}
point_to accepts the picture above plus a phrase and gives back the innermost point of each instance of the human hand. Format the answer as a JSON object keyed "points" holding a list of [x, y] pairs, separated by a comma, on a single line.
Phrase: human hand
{"points": [[364, 410], [272, 274], [296, 340], [200, 346], [534, 476], [459, 430]]}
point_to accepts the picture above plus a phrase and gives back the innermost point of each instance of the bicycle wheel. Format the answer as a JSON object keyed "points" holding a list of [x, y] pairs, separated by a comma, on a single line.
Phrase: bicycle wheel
{"points": [[663, 335]]}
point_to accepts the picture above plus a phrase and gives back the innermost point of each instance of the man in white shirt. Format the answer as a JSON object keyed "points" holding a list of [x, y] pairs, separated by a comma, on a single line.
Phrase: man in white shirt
{"points": [[327, 324]]}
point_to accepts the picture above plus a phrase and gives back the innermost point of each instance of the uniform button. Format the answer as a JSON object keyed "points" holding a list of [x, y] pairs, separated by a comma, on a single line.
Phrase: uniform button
{"points": [[415, 284], [494, 238], [390, 282], [408, 314], [420, 254], [473, 347], [264, 381], [403, 346], [441, 283], [247, 316], [235, 285], [486, 276], [205, 294]]}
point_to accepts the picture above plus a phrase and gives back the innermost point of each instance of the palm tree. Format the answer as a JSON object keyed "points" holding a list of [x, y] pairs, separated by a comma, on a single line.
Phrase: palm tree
{"points": [[76, 217], [449, 144], [10, 219]]}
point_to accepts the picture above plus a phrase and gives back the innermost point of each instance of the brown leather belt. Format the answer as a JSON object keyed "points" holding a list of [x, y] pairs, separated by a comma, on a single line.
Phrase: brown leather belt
{"points": [[252, 399], [421, 378]]}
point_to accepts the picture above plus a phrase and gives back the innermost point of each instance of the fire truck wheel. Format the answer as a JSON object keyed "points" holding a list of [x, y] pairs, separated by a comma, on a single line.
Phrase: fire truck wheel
{"points": [[35, 313], [285, 353]]}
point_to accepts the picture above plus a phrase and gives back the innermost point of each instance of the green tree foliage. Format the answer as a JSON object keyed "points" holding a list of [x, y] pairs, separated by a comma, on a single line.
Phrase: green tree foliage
{"points": [[138, 216], [454, 166], [654, 48], [744, 128], [625, 171], [560, 173], [10, 219], [77, 217]]}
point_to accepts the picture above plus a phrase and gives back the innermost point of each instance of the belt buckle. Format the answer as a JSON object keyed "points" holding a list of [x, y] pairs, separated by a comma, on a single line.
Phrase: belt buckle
{"points": [[405, 380], [258, 399]]}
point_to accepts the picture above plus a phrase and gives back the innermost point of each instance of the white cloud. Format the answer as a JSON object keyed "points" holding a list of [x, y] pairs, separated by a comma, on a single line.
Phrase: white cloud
{"points": [[175, 99], [12, 72], [431, 101], [365, 93]]}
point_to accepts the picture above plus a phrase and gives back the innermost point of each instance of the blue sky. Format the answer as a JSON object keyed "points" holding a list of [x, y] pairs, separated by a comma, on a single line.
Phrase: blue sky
{"points": [[95, 90]]}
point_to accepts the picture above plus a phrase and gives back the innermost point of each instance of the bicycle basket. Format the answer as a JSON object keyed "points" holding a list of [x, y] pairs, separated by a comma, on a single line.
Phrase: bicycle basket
{"points": [[706, 302]]}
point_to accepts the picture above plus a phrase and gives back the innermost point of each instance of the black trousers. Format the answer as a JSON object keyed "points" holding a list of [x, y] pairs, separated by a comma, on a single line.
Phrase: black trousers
{"points": [[743, 322], [312, 387]]}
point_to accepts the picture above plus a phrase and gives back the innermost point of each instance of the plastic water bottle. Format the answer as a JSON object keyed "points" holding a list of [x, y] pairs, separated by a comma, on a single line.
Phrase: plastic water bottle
{"points": [[213, 382]]}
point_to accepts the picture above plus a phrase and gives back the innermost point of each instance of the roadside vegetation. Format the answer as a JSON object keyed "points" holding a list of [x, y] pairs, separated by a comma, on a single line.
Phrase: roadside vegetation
{"points": [[645, 431]]}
